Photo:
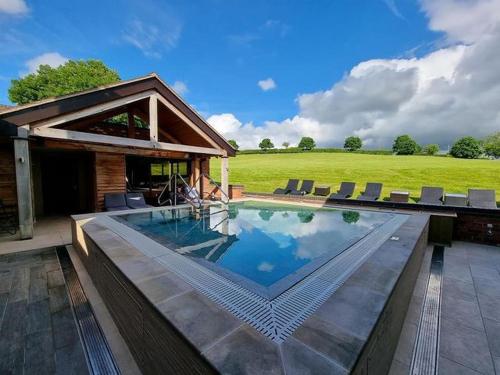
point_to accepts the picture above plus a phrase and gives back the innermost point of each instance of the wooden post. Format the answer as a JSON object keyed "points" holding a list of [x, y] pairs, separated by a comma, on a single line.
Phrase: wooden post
{"points": [[153, 118], [23, 183], [196, 173], [224, 172], [131, 123]]}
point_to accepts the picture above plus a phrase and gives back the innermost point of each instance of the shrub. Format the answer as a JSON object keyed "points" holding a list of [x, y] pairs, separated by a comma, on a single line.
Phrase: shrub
{"points": [[431, 149], [466, 148], [307, 143], [492, 145], [233, 143], [353, 143], [404, 145], [266, 144]]}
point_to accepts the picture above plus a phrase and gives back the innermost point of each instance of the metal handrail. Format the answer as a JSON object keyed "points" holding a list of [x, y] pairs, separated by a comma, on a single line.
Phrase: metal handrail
{"points": [[176, 176], [216, 185]]}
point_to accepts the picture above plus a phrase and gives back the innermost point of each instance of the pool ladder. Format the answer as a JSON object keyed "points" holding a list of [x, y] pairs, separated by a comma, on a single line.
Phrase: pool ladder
{"points": [[191, 195]]}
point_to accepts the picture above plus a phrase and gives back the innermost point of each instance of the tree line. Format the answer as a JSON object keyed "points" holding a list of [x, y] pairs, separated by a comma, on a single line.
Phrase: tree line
{"points": [[466, 147]]}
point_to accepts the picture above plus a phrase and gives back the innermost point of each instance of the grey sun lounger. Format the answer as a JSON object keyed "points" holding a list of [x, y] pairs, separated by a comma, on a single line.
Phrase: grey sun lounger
{"points": [[115, 202], [292, 185], [306, 188], [346, 191], [482, 198], [136, 200], [372, 192], [431, 196]]}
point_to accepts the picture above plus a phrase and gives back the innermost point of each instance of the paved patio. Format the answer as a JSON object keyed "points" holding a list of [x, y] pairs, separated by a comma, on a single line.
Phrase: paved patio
{"points": [[49, 231], [470, 312], [38, 333]]}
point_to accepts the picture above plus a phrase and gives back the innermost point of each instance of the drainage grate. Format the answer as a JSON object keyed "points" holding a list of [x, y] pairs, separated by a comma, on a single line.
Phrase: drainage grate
{"points": [[426, 350], [277, 319], [98, 353]]}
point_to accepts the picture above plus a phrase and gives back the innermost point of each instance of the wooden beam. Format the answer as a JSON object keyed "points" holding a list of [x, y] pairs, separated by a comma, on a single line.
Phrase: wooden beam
{"points": [[187, 121], [23, 183], [55, 144], [93, 110], [71, 135], [153, 117]]}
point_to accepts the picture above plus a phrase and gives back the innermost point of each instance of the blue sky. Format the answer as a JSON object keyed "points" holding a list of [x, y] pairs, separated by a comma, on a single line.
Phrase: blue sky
{"points": [[218, 51]]}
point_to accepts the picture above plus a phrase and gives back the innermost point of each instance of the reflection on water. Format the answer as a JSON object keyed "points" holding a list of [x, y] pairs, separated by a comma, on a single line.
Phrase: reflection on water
{"points": [[350, 217], [260, 242]]}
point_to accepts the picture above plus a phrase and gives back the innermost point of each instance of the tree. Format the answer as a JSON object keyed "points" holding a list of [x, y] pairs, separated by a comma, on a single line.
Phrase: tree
{"points": [[431, 149], [466, 148], [266, 144], [307, 143], [404, 145], [71, 77], [285, 144], [233, 143], [492, 145], [353, 143]]}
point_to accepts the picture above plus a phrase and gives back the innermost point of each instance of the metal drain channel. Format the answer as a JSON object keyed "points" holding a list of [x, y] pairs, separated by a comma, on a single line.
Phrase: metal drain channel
{"points": [[98, 353], [426, 350], [278, 318]]}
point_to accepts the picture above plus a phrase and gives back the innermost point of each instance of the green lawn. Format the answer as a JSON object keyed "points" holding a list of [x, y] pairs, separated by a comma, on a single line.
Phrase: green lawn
{"points": [[263, 173]]}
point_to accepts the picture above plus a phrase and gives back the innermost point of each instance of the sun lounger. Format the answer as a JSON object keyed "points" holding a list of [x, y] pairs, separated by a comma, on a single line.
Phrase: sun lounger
{"points": [[136, 200], [292, 185], [372, 192], [431, 196], [482, 198], [115, 202], [346, 191], [306, 188]]}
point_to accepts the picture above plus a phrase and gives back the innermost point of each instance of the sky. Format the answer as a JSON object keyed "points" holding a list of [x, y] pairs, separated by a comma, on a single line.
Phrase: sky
{"points": [[285, 69]]}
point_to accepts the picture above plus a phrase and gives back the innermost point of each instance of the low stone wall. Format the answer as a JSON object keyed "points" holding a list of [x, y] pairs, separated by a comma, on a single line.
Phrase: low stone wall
{"points": [[156, 345]]}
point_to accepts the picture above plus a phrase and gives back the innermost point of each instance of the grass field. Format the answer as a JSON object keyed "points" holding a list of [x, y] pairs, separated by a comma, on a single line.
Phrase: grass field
{"points": [[263, 173]]}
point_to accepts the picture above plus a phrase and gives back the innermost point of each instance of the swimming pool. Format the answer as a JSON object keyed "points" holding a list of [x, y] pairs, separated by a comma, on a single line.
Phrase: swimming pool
{"points": [[265, 247]]}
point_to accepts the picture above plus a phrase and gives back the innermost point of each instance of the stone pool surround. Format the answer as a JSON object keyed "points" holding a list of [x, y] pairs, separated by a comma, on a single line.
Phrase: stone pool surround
{"points": [[171, 327]]}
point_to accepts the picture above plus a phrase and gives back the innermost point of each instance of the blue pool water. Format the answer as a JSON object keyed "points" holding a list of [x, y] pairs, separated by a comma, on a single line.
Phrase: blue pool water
{"points": [[265, 247]]}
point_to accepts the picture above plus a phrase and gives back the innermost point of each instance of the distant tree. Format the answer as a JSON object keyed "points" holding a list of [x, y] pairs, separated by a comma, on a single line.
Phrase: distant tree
{"points": [[404, 145], [266, 144], [285, 144], [307, 143], [233, 143], [491, 145], [353, 143], [431, 149], [71, 77], [466, 148]]}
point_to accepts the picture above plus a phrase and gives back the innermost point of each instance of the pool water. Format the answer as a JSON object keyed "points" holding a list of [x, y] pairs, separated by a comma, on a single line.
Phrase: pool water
{"points": [[264, 247]]}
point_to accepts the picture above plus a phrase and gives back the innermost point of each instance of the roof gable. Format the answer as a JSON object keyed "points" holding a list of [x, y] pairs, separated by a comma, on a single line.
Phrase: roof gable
{"points": [[65, 105]]}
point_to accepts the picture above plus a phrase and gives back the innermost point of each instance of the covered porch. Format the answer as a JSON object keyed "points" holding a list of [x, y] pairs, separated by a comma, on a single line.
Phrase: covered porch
{"points": [[62, 156]]}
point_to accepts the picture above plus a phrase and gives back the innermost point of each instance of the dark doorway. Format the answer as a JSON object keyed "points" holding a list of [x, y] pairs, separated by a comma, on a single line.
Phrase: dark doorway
{"points": [[66, 186]]}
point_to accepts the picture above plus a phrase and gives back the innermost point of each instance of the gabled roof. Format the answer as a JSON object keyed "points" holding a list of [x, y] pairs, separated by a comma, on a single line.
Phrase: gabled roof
{"points": [[52, 107]]}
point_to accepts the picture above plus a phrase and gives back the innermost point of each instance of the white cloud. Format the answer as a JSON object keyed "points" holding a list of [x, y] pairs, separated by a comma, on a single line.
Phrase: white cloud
{"points": [[463, 21], [180, 88], [52, 59], [446, 94], [391, 4], [152, 39], [13, 6], [267, 84], [265, 267]]}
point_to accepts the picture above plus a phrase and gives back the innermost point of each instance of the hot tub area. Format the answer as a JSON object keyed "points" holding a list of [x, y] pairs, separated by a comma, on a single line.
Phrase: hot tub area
{"points": [[255, 287]]}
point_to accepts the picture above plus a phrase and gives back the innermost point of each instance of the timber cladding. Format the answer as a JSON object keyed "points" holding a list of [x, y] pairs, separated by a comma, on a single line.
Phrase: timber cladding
{"points": [[110, 171], [7, 175]]}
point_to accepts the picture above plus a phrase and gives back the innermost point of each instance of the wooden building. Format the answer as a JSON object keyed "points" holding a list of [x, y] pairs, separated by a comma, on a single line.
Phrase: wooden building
{"points": [[61, 155]]}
